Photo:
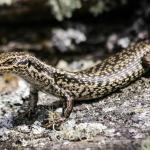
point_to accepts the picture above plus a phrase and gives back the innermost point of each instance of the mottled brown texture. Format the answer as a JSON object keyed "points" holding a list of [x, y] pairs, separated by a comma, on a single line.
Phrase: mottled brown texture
{"points": [[114, 72]]}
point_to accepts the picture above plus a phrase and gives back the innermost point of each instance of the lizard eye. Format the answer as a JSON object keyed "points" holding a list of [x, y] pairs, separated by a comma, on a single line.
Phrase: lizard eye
{"points": [[22, 62]]}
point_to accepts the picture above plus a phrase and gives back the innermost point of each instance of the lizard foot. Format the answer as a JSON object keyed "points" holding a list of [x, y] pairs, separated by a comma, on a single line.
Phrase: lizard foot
{"points": [[54, 120], [25, 110]]}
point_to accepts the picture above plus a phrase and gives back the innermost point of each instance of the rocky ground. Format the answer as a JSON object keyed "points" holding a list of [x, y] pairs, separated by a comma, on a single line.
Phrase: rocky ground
{"points": [[118, 121]]}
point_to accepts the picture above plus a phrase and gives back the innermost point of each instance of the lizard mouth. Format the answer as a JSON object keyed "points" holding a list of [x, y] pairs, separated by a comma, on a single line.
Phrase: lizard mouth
{"points": [[5, 69]]}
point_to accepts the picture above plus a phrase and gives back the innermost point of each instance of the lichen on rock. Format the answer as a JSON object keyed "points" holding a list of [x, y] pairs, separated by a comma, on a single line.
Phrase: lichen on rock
{"points": [[64, 8]]}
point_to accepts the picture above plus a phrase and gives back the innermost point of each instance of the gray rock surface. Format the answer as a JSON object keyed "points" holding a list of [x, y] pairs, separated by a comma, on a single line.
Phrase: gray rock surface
{"points": [[118, 121]]}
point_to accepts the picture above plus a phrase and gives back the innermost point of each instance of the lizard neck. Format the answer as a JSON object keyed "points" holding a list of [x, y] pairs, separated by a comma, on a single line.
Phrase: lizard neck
{"points": [[44, 77], [35, 65]]}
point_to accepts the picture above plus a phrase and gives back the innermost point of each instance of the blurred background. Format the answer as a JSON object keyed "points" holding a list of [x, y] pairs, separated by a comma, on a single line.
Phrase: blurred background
{"points": [[70, 30]]}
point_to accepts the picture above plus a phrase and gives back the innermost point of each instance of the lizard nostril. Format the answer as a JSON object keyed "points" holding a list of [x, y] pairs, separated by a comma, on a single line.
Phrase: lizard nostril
{"points": [[29, 64]]}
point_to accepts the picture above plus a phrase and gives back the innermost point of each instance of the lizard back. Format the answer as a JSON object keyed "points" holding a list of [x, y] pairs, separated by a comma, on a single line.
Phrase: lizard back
{"points": [[114, 72]]}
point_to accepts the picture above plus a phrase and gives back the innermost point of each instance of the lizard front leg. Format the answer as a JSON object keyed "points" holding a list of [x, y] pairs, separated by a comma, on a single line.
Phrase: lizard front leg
{"points": [[30, 103], [33, 99], [67, 106], [67, 101], [54, 119]]}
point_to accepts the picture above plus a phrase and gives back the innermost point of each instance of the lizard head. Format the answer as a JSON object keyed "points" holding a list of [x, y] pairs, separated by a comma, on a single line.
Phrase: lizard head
{"points": [[13, 62]]}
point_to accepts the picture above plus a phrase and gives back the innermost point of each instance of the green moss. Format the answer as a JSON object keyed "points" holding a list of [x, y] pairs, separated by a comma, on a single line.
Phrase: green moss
{"points": [[98, 8], [105, 5]]}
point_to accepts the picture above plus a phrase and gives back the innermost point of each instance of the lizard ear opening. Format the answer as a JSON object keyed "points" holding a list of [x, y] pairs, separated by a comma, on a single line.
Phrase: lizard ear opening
{"points": [[29, 64]]}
